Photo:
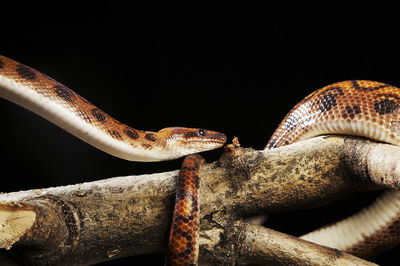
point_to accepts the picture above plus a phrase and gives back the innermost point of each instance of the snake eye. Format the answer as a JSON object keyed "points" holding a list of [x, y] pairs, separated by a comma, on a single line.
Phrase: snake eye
{"points": [[201, 132]]}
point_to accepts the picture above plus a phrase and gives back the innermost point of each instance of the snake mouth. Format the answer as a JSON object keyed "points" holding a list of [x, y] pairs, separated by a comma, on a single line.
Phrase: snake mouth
{"points": [[205, 145]]}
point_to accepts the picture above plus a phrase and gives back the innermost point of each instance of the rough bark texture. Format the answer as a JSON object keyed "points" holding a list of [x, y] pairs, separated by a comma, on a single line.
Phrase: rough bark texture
{"points": [[127, 216]]}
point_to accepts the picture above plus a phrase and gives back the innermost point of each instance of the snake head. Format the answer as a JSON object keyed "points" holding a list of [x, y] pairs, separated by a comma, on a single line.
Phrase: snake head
{"points": [[183, 141]]}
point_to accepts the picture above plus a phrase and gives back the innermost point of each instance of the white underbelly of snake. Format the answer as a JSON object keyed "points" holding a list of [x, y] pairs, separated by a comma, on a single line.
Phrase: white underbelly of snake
{"points": [[363, 108]]}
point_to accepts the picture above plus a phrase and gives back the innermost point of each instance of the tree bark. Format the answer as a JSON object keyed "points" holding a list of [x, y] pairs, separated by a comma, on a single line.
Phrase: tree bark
{"points": [[126, 216]]}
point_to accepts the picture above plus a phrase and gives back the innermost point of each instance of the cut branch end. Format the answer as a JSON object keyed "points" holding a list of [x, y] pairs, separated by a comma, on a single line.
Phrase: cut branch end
{"points": [[14, 222]]}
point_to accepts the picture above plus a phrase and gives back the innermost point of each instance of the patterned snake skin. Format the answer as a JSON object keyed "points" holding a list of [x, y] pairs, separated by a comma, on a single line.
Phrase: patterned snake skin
{"points": [[357, 107], [183, 239]]}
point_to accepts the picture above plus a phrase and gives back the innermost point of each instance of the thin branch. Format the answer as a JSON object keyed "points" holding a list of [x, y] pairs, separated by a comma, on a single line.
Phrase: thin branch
{"points": [[249, 243]]}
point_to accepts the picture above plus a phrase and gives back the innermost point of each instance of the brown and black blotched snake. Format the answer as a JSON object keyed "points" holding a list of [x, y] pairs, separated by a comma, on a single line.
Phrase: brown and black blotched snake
{"points": [[358, 107]]}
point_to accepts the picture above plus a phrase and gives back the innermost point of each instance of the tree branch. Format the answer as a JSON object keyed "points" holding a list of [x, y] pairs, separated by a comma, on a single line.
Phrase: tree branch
{"points": [[262, 246], [126, 216]]}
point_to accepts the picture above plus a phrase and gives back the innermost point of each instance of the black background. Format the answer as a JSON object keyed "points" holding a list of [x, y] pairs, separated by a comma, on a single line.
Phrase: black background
{"points": [[232, 72]]}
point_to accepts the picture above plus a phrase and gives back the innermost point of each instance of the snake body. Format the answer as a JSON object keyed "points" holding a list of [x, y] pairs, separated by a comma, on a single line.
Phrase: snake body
{"points": [[184, 235], [357, 107]]}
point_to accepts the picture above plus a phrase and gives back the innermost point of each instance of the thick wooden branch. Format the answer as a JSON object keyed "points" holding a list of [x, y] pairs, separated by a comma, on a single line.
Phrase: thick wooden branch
{"points": [[126, 216], [90, 222]]}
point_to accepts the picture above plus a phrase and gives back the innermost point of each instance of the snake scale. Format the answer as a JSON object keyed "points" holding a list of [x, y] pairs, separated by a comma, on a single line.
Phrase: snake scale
{"points": [[358, 107]]}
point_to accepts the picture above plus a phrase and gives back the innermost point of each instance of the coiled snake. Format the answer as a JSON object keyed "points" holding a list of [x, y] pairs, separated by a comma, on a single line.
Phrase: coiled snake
{"points": [[363, 108], [357, 107]]}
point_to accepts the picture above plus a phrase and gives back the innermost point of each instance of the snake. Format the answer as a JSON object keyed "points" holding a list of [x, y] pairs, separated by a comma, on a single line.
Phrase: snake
{"points": [[355, 107], [60, 105], [363, 108]]}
